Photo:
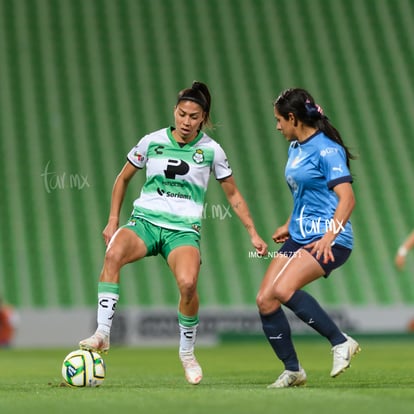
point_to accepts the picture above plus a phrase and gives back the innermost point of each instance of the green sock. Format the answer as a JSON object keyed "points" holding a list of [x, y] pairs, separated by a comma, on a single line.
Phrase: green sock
{"points": [[108, 295], [108, 287], [187, 321], [188, 331]]}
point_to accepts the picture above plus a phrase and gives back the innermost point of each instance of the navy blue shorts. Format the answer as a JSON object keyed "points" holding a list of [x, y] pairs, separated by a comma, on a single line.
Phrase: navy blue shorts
{"points": [[341, 254]]}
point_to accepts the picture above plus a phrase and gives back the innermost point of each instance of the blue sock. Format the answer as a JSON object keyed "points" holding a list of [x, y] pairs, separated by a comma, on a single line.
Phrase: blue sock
{"points": [[277, 330], [309, 311]]}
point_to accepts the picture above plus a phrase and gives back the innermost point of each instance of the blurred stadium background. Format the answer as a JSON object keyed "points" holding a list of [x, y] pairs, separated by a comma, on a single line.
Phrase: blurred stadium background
{"points": [[82, 80]]}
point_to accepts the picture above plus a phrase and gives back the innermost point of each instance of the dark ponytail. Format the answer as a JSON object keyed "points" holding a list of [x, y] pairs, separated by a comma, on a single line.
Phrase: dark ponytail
{"points": [[200, 94]]}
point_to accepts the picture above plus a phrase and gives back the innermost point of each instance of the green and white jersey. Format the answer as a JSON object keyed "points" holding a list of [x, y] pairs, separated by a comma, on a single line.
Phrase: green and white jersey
{"points": [[176, 178]]}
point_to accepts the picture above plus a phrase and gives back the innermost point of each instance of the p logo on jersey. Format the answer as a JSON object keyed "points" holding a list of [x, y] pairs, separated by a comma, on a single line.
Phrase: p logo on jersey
{"points": [[176, 167], [198, 156]]}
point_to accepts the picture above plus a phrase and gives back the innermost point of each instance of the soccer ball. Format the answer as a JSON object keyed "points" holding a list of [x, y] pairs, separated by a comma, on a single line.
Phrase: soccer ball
{"points": [[83, 368]]}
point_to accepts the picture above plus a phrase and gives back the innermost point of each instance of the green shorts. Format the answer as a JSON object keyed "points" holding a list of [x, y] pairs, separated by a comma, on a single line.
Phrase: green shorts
{"points": [[159, 239]]}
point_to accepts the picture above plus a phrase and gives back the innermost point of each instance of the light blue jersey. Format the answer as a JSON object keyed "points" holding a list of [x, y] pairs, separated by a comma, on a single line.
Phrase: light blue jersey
{"points": [[313, 169]]}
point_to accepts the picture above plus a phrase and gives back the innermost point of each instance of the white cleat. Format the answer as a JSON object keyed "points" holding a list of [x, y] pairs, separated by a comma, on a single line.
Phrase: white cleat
{"points": [[98, 342], [290, 379], [342, 355], [192, 369]]}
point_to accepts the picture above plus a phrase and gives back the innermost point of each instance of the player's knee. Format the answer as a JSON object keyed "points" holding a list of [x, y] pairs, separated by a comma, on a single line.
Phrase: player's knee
{"points": [[281, 294], [188, 289], [263, 302], [113, 257]]}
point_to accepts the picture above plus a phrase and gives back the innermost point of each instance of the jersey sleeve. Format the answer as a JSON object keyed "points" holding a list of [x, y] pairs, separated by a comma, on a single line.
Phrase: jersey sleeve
{"points": [[333, 165], [221, 167], [138, 154]]}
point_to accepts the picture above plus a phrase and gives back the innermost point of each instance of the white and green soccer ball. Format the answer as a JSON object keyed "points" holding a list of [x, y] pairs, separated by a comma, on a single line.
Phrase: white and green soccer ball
{"points": [[83, 368]]}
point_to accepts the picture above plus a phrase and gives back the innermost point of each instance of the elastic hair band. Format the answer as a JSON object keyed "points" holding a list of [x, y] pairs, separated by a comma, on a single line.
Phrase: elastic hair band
{"points": [[313, 109], [193, 99]]}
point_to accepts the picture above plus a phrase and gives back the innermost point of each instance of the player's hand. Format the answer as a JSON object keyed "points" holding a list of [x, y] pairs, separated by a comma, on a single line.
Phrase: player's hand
{"points": [[281, 234], [399, 261], [322, 248], [110, 230], [260, 245]]}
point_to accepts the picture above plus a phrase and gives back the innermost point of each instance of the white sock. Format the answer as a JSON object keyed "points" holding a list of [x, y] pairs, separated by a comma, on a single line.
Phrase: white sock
{"points": [[106, 310], [187, 338]]}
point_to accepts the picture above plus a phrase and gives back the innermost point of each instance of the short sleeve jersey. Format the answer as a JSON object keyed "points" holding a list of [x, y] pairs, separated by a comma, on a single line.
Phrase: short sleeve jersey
{"points": [[313, 169], [176, 178]]}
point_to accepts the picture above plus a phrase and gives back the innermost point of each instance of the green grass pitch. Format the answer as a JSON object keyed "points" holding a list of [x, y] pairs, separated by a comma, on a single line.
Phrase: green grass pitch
{"points": [[236, 373]]}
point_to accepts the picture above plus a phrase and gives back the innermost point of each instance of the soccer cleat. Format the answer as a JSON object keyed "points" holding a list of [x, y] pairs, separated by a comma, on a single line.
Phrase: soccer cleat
{"points": [[290, 379], [192, 369], [98, 342], [342, 355]]}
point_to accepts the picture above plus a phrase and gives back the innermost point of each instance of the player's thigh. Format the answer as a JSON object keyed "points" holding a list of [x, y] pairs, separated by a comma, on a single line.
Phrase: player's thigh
{"points": [[184, 262], [301, 270], [125, 247], [277, 264]]}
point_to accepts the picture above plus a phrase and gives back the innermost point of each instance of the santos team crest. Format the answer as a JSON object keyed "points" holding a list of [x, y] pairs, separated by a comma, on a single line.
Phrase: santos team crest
{"points": [[198, 156]]}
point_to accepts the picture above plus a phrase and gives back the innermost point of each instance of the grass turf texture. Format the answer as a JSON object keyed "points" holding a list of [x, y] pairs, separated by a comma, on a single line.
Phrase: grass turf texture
{"points": [[141, 380]]}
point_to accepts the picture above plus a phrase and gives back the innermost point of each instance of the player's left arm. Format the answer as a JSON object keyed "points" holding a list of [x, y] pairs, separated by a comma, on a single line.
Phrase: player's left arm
{"points": [[239, 206], [345, 206]]}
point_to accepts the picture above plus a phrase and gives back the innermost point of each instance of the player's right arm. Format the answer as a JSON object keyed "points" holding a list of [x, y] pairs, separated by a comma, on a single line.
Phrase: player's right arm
{"points": [[118, 194]]}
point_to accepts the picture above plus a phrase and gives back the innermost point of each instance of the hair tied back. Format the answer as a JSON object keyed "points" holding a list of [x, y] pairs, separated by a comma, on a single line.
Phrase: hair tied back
{"points": [[313, 110]]}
